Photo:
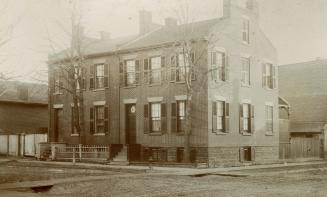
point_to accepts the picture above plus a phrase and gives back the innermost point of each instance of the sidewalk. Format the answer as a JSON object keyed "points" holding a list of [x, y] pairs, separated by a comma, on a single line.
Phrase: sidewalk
{"points": [[155, 169]]}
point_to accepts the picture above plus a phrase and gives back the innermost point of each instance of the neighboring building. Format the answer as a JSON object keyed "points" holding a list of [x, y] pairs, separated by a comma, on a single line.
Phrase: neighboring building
{"points": [[135, 94], [23, 108], [303, 86]]}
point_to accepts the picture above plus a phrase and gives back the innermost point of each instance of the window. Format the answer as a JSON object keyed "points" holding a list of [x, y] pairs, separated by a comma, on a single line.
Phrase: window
{"points": [[130, 72], [58, 84], [218, 66], [268, 76], [246, 71], [269, 119], [181, 116], [155, 117], [155, 67], [247, 154], [99, 119], [220, 116], [183, 67], [246, 31], [246, 118], [99, 76]]}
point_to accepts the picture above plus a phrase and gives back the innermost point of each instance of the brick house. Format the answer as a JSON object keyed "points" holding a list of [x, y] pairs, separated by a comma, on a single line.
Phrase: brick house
{"points": [[135, 95], [303, 86]]}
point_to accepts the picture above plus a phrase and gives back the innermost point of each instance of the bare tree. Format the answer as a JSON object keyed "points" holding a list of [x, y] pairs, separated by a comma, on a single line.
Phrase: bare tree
{"points": [[68, 69]]}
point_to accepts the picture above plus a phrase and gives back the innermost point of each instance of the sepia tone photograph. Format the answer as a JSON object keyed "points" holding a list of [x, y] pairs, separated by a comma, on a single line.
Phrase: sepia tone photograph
{"points": [[156, 98]]}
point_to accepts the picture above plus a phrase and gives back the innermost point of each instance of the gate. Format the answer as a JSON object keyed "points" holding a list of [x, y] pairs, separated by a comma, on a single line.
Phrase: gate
{"points": [[305, 146]]}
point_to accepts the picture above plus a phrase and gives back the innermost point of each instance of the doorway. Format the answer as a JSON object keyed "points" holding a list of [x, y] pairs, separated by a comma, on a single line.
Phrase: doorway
{"points": [[130, 124]]}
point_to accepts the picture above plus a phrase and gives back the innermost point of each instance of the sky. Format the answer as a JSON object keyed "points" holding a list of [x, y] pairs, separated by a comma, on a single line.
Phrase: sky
{"points": [[297, 28]]}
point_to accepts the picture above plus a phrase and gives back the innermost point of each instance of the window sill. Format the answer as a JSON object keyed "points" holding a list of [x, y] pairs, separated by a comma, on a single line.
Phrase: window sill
{"points": [[155, 134], [246, 85], [74, 135], [57, 94], [129, 86], [154, 84], [97, 90], [269, 134], [246, 43], [99, 134], [220, 133], [246, 133], [219, 81], [269, 89]]}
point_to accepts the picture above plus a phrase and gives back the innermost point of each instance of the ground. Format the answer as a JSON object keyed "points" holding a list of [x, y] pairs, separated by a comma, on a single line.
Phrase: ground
{"points": [[309, 180]]}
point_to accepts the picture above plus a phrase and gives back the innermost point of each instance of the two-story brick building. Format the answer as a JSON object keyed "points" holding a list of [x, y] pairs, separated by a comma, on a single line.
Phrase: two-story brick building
{"points": [[135, 93]]}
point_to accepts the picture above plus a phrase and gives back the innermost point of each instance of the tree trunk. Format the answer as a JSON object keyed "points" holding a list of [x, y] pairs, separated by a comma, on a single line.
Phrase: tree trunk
{"points": [[188, 129]]}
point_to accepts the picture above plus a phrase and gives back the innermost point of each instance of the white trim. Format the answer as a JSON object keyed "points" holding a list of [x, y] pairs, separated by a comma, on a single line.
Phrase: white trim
{"points": [[220, 98], [74, 135], [246, 101], [155, 99], [269, 104], [99, 61], [99, 134], [99, 103], [245, 55], [219, 49], [264, 60], [181, 97], [130, 57], [129, 101], [58, 106]]}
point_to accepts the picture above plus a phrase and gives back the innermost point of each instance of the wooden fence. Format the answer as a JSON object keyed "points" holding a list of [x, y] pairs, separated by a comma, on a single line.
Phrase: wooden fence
{"points": [[21, 144], [96, 153]]}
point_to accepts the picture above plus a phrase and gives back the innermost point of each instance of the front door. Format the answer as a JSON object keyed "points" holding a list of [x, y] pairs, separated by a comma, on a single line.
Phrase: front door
{"points": [[130, 124], [57, 124]]}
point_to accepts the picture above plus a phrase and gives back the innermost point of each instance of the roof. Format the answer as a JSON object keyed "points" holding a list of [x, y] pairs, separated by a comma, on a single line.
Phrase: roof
{"points": [[93, 46], [306, 127], [23, 92], [163, 35], [282, 101], [316, 62]]}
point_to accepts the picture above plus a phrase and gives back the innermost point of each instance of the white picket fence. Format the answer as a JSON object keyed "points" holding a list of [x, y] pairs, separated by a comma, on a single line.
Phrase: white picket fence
{"points": [[21, 144], [83, 152]]}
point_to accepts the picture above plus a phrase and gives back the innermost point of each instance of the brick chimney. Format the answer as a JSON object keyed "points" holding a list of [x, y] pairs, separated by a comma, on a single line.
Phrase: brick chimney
{"points": [[170, 22], [145, 21]]}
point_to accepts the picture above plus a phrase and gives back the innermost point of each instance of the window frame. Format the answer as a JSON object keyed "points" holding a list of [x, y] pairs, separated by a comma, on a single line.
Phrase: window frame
{"points": [[246, 73], [99, 78], [127, 73], [247, 120], [269, 121], [96, 119], [181, 119], [218, 67], [156, 119], [246, 30], [156, 71]]}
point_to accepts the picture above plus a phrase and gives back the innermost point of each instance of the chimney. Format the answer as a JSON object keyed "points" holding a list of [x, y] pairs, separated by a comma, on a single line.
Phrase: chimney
{"points": [[170, 22], [253, 6], [226, 8], [145, 21], [104, 35]]}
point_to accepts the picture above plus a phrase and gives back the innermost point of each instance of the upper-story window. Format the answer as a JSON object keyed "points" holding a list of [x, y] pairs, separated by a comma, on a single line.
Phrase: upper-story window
{"points": [[219, 66], [183, 67], [246, 31], [268, 76], [155, 117], [220, 116], [130, 72], [246, 68], [58, 82], [99, 76], [269, 119], [181, 116], [155, 70], [246, 118]]}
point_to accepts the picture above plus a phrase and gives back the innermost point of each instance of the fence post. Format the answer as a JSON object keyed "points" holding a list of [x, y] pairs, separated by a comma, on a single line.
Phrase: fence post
{"points": [[74, 156], [80, 152]]}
